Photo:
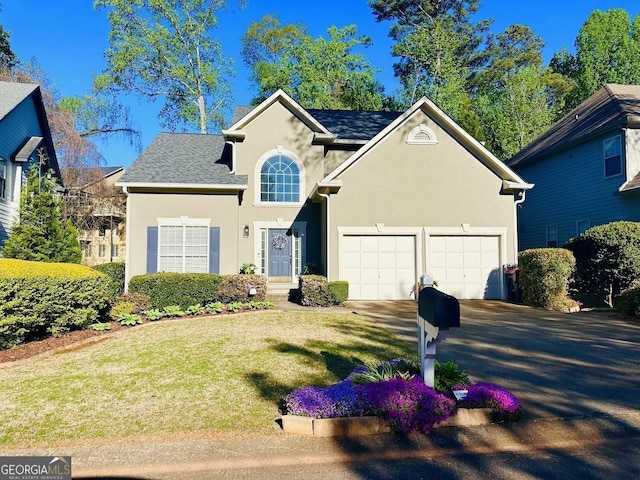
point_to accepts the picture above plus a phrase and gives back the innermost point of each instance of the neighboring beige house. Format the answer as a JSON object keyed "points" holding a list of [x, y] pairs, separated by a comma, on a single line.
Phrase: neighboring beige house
{"points": [[98, 211], [373, 198]]}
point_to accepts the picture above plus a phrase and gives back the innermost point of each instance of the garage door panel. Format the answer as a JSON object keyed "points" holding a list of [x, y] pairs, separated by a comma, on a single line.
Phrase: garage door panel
{"points": [[386, 267], [466, 266]]}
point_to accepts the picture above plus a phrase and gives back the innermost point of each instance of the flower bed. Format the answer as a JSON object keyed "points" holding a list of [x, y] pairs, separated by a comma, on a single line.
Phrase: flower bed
{"points": [[397, 396]]}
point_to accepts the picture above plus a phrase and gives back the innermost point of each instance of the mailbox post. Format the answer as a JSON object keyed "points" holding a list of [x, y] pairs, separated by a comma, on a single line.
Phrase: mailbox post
{"points": [[437, 313]]}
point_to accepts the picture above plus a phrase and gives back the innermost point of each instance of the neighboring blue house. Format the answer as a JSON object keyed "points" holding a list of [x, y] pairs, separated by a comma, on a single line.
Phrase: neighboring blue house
{"points": [[586, 169], [24, 131]]}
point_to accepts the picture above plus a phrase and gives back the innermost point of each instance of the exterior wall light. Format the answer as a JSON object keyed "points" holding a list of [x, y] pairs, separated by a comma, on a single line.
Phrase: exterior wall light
{"points": [[245, 231]]}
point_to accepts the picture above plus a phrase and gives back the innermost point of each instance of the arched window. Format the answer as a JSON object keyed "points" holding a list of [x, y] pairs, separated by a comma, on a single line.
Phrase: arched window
{"points": [[280, 180]]}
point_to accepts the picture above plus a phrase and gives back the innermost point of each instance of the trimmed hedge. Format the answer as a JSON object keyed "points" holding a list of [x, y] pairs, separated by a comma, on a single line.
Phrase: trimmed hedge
{"points": [[235, 288], [188, 289], [315, 291], [38, 299], [544, 277], [116, 271], [607, 259], [184, 289]]}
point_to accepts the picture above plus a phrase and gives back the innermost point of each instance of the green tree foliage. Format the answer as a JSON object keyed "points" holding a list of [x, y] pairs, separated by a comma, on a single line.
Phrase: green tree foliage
{"points": [[437, 44], [165, 49], [607, 51], [317, 72], [7, 58], [40, 234]]}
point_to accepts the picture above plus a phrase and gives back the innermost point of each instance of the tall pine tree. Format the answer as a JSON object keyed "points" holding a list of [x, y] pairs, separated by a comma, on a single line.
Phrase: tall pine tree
{"points": [[40, 234]]}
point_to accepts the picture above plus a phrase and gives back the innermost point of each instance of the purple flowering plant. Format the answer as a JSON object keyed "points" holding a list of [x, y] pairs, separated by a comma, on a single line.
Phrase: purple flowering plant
{"points": [[404, 401], [505, 405]]}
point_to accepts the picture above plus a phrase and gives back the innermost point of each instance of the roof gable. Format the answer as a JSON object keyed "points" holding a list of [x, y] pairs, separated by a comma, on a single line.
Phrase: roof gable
{"points": [[511, 180], [12, 94], [246, 116], [613, 106]]}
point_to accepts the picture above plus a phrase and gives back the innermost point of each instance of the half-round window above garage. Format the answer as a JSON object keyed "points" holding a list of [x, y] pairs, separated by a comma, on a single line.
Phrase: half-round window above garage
{"points": [[422, 135], [280, 180]]}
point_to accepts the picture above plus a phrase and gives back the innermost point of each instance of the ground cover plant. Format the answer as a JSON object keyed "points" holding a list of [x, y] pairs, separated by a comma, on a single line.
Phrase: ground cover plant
{"points": [[227, 372], [395, 391]]}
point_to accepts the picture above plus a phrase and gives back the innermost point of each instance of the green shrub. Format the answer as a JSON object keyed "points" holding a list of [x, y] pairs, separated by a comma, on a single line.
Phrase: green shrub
{"points": [[120, 309], [236, 288], [38, 299], [129, 319], [607, 259], [153, 314], [115, 270], [215, 307], [447, 375], [544, 278], [195, 310], [182, 289], [140, 301], [338, 291], [100, 327], [173, 311], [628, 302], [315, 291]]}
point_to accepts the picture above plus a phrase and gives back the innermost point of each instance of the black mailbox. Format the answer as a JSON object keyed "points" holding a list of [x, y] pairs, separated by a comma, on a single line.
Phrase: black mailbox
{"points": [[439, 309]]}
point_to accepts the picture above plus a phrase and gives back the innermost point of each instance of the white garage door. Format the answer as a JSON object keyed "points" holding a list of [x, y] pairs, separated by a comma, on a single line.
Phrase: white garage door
{"points": [[379, 267], [466, 266]]}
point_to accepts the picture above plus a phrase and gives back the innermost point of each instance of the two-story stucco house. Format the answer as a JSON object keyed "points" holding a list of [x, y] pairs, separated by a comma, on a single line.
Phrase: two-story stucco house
{"points": [[586, 169], [373, 198], [24, 138]]}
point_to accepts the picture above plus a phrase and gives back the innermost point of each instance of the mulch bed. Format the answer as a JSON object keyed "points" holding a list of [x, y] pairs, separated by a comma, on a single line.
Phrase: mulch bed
{"points": [[30, 349]]}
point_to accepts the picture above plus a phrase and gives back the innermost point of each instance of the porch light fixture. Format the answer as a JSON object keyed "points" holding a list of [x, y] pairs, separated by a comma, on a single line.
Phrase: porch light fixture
{"points": [[245, 231]]}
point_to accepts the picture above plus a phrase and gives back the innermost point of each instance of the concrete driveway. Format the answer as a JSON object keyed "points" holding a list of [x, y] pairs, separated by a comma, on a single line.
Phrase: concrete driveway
{"points": [[559, 365]]}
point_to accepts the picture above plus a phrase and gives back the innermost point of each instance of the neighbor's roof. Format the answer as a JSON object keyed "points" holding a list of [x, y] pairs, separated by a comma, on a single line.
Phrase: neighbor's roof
{"points": [[610, 107], [12, 94], [182, 159], [346, 124]]}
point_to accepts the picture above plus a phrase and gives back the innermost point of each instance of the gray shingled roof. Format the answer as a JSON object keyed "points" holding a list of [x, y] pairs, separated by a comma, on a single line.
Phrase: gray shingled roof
{"points": [[610, 107], [346, 124], [182, 158], [11, 94]]}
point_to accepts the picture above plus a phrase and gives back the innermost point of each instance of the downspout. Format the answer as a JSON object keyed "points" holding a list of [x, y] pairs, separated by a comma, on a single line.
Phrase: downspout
{"points": [[517, 203], [328, 234], [127, 250]]}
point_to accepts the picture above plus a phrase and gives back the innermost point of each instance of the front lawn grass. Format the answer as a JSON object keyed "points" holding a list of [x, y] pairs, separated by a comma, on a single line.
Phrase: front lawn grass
{"points": [[216, 375]]}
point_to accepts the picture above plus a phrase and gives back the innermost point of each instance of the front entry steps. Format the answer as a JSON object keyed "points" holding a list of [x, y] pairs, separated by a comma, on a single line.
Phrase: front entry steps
{"points": [[282, 289]]}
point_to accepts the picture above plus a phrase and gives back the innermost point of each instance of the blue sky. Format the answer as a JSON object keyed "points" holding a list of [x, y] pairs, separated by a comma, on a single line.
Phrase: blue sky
{"points": [[68, 38]]}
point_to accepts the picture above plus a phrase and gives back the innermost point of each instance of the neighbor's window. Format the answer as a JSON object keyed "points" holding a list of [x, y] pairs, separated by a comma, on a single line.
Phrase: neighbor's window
{"points": [[3, 180], [102, 250], [582, 226], [280, 180], [183, 248], [612, 157], [114, 251], [552, 236]]}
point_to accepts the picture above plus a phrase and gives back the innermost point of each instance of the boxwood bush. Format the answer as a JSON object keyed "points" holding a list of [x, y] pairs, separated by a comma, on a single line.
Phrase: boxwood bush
{"points": [[544, 278], [38, 299], [235, 288], [315, 291], [184, 289], [628, 302], [607, 259], [116, 271]]}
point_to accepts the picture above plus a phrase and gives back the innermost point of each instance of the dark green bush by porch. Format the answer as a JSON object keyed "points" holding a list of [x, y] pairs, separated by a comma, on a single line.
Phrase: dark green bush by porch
{"points": [[38, 299], [315, 291], [184, 289], [544, 277], [235, 288], [607, 259], [116, 271]]}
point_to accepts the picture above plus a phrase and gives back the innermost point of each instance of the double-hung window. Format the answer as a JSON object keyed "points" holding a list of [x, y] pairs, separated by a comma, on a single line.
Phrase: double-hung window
{"points": [[552, 236], [612, 156], [183, 246]]}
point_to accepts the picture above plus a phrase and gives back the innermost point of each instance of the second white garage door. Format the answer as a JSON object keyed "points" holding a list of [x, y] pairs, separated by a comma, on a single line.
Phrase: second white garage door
{"points": [[466, 266], [379, 267]]}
